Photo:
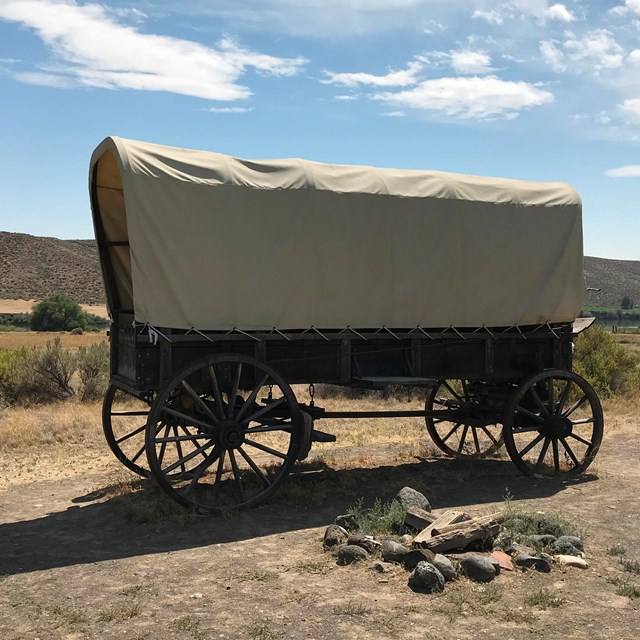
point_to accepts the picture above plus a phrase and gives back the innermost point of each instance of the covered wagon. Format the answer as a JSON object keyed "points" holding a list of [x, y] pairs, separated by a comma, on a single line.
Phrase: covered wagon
{"points": [[228, 281]]}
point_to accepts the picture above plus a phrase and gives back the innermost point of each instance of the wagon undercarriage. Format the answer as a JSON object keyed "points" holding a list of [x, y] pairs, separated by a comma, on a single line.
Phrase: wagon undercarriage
{"points": [[224, 430]]}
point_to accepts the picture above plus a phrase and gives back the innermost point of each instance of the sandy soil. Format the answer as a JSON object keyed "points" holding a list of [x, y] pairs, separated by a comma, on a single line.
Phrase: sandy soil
{"points": [[24, 306], [87, 554]]}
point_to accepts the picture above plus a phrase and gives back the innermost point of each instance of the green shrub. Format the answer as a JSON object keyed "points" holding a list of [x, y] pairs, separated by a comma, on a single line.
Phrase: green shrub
{"points": [[607, 366], [380, 518], [58, 312]]}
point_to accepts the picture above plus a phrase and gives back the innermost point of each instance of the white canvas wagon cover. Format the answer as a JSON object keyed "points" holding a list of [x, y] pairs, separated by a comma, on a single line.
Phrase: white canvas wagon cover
{"points": [[205, 240]]}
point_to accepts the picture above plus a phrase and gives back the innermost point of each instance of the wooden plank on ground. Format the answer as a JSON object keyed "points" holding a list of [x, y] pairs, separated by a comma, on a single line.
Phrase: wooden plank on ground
{"points": [[419, 518], [447, 518]]}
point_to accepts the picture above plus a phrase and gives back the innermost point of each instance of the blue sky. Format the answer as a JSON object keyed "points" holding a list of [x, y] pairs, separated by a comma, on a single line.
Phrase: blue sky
{"points": [[528, 89]]}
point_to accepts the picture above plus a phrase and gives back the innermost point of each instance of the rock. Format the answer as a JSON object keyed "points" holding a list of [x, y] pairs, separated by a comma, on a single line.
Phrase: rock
{"points": [[334, 535], [426, 578], [542, 541], [503, 559], [382, 567], [571, 561], [407, 539], [366, 542], [478, 568], [546, 556], [347, 521], [409, 497], [562, 546], [348, 553], [533, 562], [574, 540], [515, 549], [411, 560], [393, 551], [444, 566], [503, 540]]}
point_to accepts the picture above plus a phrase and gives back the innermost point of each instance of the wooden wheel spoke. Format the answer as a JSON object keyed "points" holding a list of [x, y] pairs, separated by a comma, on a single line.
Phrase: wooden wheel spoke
{"points": [[530, 446], [217, 396], [193, 439], [455, 426], [453, 393], [179, 448], [475, 439], [563, 397], [138, 453], [529, 414], [220, 468], [490, 435], [551, 395], [234, 393], [133, 433], [163, 446], [257, 470], [252, 397], [262, 412], [262, 447], [187, 418], [568, 449], [202, 467], [186, 438], [199, 401], [188, 457], [580, 439], [576, 406], [463, 437], [543, 452], [556, 457], [236, 474], [536, 397]]}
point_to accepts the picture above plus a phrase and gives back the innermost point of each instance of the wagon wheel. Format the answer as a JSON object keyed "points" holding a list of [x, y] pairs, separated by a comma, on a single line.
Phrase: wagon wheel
{"points": [[457, 437], [214, 442], [124, 417], [553, 424]]}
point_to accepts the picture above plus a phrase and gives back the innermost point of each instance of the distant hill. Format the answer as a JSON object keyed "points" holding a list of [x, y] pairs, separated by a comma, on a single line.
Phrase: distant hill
{"points": [[615, 279], [33, 267]]}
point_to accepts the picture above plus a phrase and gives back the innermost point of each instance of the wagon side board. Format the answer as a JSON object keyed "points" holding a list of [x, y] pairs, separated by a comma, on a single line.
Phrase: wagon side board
{"points": [[144, 361]]}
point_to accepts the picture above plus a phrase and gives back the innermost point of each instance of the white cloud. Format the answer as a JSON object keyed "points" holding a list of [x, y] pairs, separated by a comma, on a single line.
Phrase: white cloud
{"points": [[631, 108], [345, 98], [628, 171], [471, 62], [560, 12], [402, 78], [395, 114], [229, 109], [630, 6], [511, 10], [486, 97], [92, 48], [594, 51]]}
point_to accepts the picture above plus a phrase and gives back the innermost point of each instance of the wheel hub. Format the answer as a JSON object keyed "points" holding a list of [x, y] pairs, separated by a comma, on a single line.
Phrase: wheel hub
{"points": [[230, 435], [558, 427]]}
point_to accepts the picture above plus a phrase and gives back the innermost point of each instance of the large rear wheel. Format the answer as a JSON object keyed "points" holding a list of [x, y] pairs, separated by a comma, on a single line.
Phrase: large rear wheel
{"points": [[224, 433]]}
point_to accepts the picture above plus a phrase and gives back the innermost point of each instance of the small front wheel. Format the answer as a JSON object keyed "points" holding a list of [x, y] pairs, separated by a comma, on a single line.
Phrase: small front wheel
{"points": [[553, 424]]}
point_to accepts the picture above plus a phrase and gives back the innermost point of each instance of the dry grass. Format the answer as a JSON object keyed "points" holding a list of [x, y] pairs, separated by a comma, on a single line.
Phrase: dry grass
{"points": [[630, 341], [15, 339]]}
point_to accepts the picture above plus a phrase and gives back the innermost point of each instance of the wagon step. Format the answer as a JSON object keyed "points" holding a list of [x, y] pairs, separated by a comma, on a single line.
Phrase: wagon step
{"points": [[321, 436]]}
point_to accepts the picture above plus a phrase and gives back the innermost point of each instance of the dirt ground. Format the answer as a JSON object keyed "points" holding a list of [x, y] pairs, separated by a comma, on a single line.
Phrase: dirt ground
{"points": [[13, 339], [86, 553]]}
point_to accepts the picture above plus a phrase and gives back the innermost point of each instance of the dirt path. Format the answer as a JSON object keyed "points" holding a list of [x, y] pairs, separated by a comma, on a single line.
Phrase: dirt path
{"points": [[79, 561]]}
